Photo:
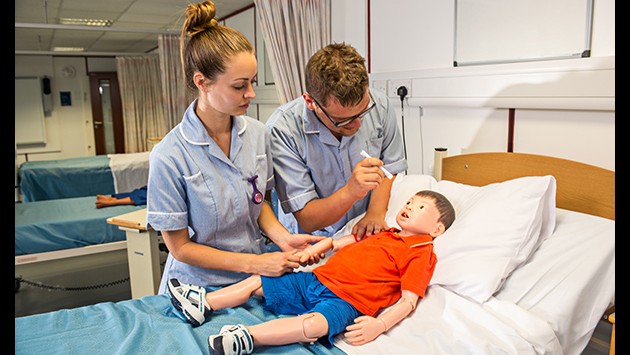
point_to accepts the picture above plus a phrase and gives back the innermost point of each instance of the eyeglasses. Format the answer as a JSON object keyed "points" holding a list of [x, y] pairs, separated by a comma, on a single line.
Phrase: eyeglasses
{"points": [[346, 121]]}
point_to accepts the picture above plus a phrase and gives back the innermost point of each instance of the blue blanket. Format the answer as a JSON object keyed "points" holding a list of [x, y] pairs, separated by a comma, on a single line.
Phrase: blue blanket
{"points": [[147, 325], [66, 223], [65, 178]]}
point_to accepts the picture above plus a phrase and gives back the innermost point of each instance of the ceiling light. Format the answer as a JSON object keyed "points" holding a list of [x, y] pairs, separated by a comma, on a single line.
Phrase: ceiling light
{"points": [[68, 49], [85, 22]]}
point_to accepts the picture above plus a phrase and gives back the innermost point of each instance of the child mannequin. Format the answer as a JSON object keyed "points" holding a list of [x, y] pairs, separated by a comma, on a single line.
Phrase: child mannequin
{"points": [[337, 295]]}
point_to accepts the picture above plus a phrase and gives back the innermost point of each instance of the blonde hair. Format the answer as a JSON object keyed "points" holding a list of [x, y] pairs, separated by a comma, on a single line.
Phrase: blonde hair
{"points": [[209, 45]]}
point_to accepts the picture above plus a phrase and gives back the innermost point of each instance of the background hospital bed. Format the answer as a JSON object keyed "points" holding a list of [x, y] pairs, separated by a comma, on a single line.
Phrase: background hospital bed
{"points": [[58, 238], [84, 176], [63, 224], [549, 304]]}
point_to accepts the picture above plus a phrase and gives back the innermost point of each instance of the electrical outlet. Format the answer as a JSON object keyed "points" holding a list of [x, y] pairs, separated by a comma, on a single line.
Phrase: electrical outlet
{"points": [[380, 85], [393, 85]]}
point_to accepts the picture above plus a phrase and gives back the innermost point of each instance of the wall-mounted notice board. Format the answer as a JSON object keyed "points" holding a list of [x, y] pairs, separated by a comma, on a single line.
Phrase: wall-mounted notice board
{"points": [[504, 31], [30, 127]]}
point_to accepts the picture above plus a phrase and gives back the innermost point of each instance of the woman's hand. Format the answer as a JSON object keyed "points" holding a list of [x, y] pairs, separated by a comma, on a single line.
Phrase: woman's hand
{"points": [[313, 253], [275, 263], [302, 241]]}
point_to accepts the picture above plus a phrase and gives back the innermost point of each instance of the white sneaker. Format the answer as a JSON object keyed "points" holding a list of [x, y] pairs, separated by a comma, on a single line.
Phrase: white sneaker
{"points": [[231, 340], [190, 300]]}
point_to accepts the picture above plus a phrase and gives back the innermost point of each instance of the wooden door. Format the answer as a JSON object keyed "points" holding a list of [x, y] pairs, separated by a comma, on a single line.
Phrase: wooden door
{"points": [[109, 131]]}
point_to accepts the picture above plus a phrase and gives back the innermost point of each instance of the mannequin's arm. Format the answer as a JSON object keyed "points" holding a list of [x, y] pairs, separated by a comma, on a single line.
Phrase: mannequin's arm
{"points": [[325, 245], [366, 328]]}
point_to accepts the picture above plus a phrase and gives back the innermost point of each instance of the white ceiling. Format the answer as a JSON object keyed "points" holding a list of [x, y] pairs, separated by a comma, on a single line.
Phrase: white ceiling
{"points": [[136, 24]]}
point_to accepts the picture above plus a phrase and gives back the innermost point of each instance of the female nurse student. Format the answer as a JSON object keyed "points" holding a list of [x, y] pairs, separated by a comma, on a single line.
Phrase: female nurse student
{"points": [[208, 175]]}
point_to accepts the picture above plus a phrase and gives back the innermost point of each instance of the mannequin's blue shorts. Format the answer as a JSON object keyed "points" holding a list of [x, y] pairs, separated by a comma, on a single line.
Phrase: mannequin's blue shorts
{"points": [[301, 292]]}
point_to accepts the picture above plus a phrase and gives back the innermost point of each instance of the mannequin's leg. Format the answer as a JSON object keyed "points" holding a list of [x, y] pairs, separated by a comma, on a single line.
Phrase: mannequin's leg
{"points": [[235, 294], [304, 328]]}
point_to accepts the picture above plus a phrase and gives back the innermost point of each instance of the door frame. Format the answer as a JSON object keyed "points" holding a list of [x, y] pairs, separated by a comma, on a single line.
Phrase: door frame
{"points": [[97, 112]]}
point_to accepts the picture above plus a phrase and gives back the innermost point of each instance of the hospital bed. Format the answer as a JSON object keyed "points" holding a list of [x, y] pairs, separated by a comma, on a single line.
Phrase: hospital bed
{"points": [[66, 246], [53, 229], [83, 176], [528, 267]]}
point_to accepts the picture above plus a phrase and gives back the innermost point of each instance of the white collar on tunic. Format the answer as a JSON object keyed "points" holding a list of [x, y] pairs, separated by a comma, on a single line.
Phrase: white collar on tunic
{"points": [[194, 132]]}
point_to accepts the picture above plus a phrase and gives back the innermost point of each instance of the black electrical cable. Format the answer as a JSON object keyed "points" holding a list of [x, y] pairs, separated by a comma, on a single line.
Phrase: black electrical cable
{"points": [[19, 281], [402, 92]]}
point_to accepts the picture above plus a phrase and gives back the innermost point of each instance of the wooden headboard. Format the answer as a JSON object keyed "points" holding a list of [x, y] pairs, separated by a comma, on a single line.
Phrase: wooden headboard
{"points": [[580, 187]]}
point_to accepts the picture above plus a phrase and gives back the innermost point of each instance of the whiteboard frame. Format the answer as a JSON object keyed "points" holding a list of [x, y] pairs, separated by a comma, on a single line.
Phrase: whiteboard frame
{"points": [[584, 53], [30, 109]]}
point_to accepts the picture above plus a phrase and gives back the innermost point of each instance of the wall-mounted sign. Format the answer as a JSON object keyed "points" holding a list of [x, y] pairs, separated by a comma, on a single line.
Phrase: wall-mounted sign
{"points": [[66, 98]]}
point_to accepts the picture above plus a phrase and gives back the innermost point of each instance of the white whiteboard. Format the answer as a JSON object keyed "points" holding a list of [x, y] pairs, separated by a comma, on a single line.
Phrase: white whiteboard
{"points": [[500, 31], [30, 126]]}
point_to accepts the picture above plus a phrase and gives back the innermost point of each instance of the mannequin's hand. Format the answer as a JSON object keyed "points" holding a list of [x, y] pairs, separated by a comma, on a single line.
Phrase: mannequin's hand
{"points": [[364, 330]]}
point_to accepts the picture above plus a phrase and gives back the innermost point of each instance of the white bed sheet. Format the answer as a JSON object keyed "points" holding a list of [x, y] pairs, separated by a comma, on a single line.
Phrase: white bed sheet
{"points": [[130, 170], [447, 323], [570, 280], [549, 305]]}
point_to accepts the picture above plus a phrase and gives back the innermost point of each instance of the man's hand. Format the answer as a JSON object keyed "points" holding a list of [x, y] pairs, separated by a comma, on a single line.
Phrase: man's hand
{"points": [[366, 176], [368, 225]]}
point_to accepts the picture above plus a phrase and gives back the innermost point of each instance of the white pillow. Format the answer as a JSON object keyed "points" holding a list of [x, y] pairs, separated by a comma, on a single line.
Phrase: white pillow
{"points": [[496, 229]]}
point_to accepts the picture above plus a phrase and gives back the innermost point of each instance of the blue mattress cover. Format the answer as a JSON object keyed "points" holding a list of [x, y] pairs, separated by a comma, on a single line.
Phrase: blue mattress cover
{"points": [[147, 325], [65, 178], [66, 223]]}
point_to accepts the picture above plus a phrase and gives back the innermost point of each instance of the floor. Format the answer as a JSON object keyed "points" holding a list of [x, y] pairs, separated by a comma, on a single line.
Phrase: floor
{"points": [[57, 284], [600, 342]]}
